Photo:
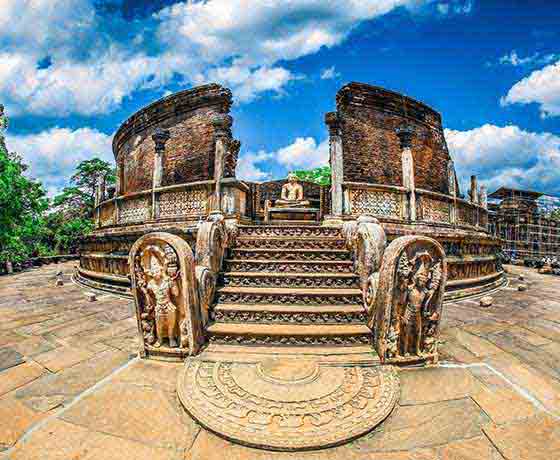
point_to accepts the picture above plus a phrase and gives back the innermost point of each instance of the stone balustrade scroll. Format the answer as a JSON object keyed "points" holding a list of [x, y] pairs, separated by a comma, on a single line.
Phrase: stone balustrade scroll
{"points": [[214, 236], [366, 239], [164, 286], [407, 312]]}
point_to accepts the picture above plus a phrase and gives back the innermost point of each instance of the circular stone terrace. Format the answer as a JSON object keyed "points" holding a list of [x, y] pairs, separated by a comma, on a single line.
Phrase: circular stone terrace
{"points": [[72, 385]]}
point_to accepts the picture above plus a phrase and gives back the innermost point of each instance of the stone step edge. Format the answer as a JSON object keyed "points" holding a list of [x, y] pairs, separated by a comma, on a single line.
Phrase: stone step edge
{"points": [[284, 261], [258, 329], [304, 250], [284, 291], [290, 275], [291, 308]]}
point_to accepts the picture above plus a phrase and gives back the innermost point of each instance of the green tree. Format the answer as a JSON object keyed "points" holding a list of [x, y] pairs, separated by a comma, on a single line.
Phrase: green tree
{"points": [[77, 201], [22, 204], [321, 175]]}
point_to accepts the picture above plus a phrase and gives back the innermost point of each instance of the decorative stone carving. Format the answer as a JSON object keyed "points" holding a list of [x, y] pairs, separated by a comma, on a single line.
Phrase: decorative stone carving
{"points": [[287, 404], [366, 238], [135, 210], [409, 300], [213, 238], [164, 287], [378, 203]]}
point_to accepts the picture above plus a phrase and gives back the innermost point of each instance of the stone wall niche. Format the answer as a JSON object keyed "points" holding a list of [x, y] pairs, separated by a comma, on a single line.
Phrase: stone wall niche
{"points": [[162, 270], [408, 304]]}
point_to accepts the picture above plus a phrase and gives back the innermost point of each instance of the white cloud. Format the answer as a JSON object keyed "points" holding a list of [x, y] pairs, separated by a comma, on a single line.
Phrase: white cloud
{"points": [[541, 87], [329, 73], [507, 156], [221, 40], [53, 155], [515, 60], [248, 166], [304, 153]]}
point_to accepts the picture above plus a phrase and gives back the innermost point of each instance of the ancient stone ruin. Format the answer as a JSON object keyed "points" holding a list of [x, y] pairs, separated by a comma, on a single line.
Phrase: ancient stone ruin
{"points": [[259, 285]]}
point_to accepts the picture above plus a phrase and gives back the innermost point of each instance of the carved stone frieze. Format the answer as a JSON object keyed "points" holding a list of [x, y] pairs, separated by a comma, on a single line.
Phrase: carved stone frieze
{"points": [[164, 288], [409, 300], [326, 255], [295, 266], [299, 281], [281, 243], [135, 210], [241, 316], [192, 202], [285, 299], [301, 231], [374, 202], [364, 339]]}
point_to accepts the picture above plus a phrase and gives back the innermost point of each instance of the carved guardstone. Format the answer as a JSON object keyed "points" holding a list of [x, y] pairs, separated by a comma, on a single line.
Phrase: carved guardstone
{"points": [[166, 298], [409, 298]]}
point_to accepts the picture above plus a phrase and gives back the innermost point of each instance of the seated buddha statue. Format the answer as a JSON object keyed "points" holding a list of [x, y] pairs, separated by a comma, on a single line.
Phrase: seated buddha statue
{"points": [[292, 194]]}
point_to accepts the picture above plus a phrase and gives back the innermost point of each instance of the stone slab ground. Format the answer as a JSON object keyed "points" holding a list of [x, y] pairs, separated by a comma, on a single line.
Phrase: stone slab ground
{"points": [[72, 388]]}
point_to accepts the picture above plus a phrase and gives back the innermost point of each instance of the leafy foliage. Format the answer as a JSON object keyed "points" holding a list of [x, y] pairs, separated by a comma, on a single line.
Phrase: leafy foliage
{"points": [[28, 225], [321, 175]]}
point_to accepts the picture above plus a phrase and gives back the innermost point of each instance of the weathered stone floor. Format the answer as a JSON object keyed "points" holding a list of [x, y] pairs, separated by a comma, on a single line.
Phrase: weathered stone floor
{"points": [[71, 387]]}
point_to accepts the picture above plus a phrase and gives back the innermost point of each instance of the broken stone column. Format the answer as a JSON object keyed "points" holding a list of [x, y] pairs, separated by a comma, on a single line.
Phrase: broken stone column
{"points": [[336, 161], [483, 197], [474, 190], [222, 123], [160, 137], [405, 134]]}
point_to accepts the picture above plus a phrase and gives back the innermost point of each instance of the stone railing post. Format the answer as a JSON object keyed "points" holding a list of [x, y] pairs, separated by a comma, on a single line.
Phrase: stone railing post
{"points": [[474, 190], [160, 137], [452, 190], [222, 124], [405, 135], [336, 161]]}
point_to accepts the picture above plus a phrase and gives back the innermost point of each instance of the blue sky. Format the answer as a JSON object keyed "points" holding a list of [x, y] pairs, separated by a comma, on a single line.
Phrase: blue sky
{"points": [[72, 70]]}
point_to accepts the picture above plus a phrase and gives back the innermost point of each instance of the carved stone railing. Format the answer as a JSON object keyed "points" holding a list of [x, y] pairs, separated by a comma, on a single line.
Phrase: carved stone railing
{"points": [[177, 202], [392, 203], [366, 239], [173, 288], [402, 288]]}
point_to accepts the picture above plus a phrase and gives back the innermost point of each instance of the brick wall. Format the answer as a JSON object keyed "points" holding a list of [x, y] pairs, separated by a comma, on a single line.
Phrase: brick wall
{"points": [[369, 116], [189, 152]]}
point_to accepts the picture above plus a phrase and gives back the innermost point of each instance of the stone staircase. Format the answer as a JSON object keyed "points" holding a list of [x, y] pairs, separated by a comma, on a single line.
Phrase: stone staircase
{"points": [[288, 285]]}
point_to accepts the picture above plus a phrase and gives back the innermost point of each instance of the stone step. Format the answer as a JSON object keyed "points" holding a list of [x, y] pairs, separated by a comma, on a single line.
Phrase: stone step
{"points": [[292, 266], [294, 280], [292, 335], [266, 242], [284, 296], [291, 254], [289, 314], [289, 230]]}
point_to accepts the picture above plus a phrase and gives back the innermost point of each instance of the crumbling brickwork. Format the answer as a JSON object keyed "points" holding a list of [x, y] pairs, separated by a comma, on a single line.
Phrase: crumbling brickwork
{"points": [[369, 117], [189, 152]]}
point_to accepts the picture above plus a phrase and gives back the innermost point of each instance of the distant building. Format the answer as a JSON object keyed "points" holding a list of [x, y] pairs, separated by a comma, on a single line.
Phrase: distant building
{"points": [[528, 222]]}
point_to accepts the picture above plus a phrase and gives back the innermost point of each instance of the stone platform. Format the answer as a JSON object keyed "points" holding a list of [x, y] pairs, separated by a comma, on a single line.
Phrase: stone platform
{"points": [[72, 386]]}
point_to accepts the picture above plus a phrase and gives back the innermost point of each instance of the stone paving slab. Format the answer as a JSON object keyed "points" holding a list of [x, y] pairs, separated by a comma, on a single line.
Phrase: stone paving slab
{"points": [[71, 391]]}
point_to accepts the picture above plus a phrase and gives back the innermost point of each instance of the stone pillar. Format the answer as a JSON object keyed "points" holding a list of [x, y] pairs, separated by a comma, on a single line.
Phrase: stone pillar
{"points": [[160, 137], [483, 197], [336, 161], [405, 134], [119, 179], [452, 184], [222, 123], [473, 193]]}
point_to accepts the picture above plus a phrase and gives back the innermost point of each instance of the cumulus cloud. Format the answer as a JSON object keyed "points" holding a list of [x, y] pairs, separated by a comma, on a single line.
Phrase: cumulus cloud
{"points": [[304, 153], [92, 72], [507, 156], [53, 155], [329, 73], [541, 87]]}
